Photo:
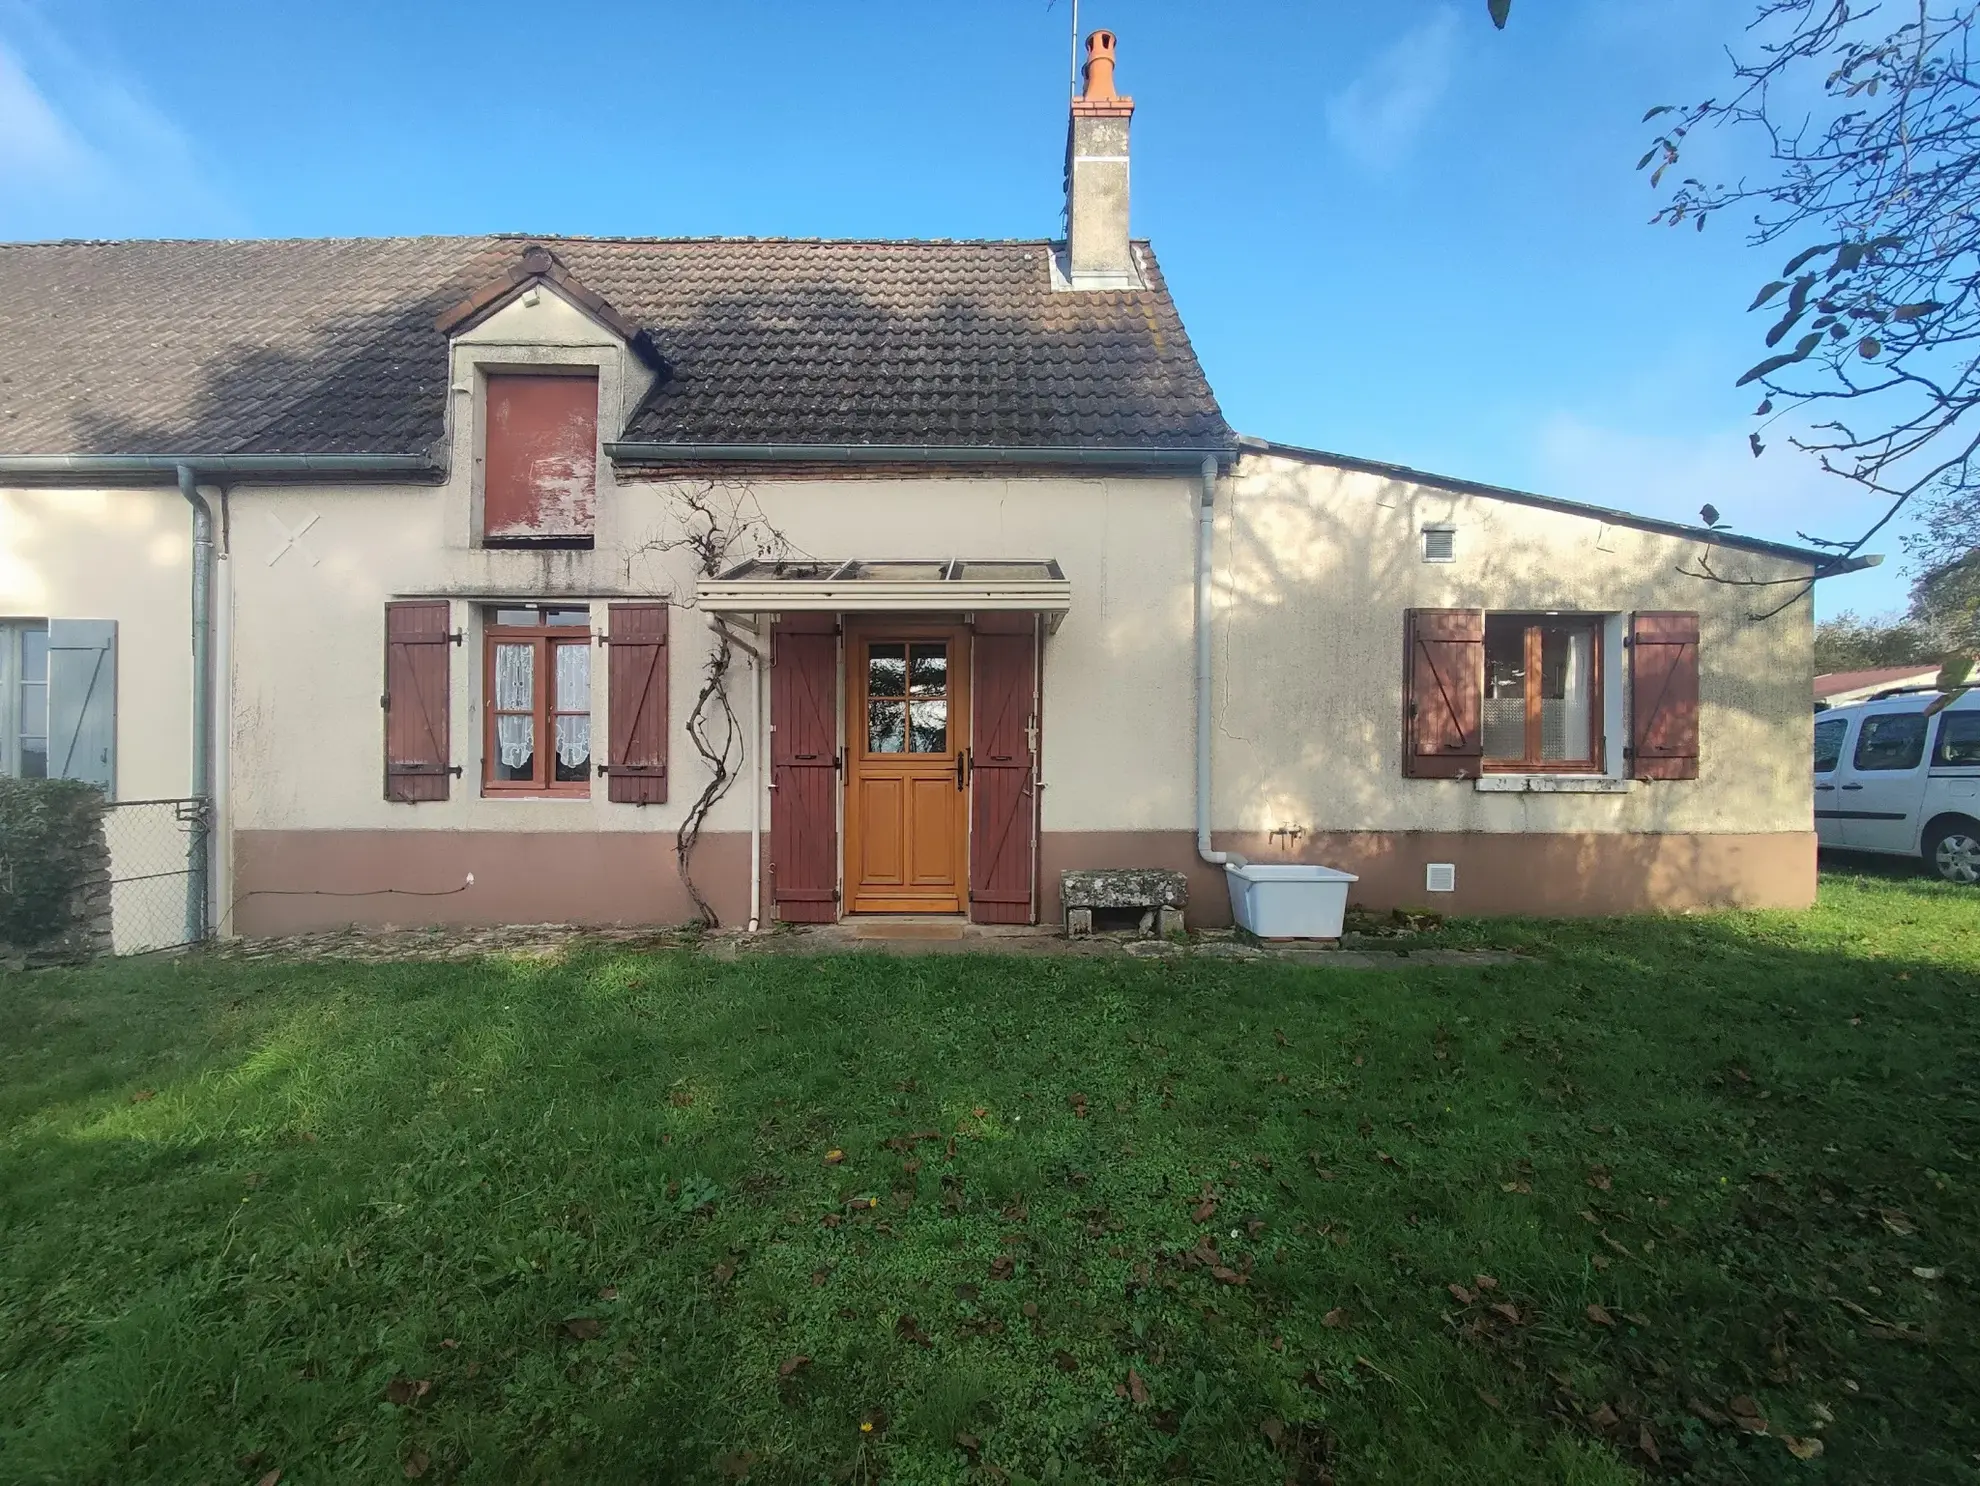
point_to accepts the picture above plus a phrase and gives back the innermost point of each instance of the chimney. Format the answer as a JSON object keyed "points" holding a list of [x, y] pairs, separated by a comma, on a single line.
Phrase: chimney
{"points": [[1097, 252]]}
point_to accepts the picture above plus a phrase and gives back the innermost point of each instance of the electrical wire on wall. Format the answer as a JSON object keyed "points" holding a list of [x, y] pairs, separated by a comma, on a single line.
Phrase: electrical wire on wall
{"points": [[319, 892]]}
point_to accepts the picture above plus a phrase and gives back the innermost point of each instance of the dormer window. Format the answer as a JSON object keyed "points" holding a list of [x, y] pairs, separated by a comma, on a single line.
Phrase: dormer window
{"points": [[540, 458]]}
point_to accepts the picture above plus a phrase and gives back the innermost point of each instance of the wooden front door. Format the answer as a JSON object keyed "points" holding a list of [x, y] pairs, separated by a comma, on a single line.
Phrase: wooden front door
{"points": [[907, 797]]}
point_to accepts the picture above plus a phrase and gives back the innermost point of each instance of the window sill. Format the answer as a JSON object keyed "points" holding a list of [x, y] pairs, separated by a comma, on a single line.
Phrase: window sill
{"points": [[1552, 784]]}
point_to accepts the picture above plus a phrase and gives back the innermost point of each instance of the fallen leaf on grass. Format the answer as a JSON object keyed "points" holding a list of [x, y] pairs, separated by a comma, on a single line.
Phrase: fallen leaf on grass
{"points": [[404, 1390], [1030, 1309], [1647, 1443], [1508, 1311], [1461, 1295], [1705, 1411], [1802, 1449], [1205, 1212], [1746, 1414], [450, 1344], [583, 1328], [1065, 1361], [792, 1364], [144, 1096], [1335, 1319], [1137, 1390], [1485, 1282], [908, 1329], [1600, 1315], [1604, 1418], [968, 1443], [833, 1158], [1524, 1189], [415, 1465], [723, 1273], [1598, 1178], [1002, 1267], [271, 1479], [1924, 1272], [253, 1460], [1897, 1222], [608, 1292], [1491, 1401], [1079, 1106]]}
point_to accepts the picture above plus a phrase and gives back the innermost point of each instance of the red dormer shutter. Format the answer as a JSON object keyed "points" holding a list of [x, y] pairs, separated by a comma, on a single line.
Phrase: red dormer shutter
{"points": [[540, 457]]}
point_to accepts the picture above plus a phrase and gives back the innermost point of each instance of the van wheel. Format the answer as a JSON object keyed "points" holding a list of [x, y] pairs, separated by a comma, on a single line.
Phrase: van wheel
{"points": [[1953, 851]]}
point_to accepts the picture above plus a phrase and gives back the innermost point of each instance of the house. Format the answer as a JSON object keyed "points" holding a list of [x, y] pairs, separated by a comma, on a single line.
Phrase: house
{"points": [[1835, 688], [458, 575]]}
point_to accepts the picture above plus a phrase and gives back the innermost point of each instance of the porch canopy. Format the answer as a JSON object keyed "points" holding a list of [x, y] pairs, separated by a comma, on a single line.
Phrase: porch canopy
{"points": [[884, 586]]}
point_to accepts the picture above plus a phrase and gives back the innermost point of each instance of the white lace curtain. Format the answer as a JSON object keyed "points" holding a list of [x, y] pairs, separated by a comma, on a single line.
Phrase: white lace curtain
{"points": [[515, 691]]}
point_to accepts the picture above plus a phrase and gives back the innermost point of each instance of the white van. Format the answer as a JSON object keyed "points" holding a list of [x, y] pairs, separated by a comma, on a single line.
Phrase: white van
{"points": [[1890, 779]]}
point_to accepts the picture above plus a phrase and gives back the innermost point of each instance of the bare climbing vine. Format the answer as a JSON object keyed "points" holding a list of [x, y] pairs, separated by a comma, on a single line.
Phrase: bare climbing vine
{"points": [[717, 524]]}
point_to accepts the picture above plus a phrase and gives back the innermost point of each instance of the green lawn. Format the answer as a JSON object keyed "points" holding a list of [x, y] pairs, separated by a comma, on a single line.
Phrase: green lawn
{"points": [[660, 1218]]}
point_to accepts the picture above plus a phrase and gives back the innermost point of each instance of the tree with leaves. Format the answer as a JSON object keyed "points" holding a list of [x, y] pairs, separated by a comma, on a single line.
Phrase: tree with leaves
{"points": [[1869, 115]]}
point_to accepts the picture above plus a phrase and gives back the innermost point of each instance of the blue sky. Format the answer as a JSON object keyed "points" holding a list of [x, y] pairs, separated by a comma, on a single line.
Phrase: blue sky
{"points": [[1392, 230]]}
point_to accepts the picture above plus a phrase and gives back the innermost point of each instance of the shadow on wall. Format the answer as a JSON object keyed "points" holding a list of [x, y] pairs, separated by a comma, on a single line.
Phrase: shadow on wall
{"points": [[1314, 576]]}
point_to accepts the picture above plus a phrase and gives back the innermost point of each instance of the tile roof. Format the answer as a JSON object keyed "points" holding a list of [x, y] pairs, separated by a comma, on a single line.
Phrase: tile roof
{"points": [[1835, 683], [329, 346]]}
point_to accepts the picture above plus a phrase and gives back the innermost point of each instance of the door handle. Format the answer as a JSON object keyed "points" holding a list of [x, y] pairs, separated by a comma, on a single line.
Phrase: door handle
{"points": [[959, 768], [1852, 786], [1823, 789]]}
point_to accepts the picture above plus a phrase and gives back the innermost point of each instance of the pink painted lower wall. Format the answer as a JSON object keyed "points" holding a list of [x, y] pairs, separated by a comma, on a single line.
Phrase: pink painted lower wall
{"points": [[1565, 875], [289, 881]]}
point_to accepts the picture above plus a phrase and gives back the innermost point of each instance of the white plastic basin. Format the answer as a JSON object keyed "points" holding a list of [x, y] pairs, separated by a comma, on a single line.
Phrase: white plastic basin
{"points": [[1289, 902]]}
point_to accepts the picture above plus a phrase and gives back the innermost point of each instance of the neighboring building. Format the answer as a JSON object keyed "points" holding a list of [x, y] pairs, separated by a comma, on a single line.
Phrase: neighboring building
{"points": [[454, 632], [1834, 688]]}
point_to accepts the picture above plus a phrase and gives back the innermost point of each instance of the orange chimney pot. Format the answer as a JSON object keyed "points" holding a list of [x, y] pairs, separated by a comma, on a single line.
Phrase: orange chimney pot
{"points": [[1100, 66]]}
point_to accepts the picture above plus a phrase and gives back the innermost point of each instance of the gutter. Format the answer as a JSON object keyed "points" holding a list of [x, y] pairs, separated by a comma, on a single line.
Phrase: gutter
{"points": [[1206, 522], [57, 466], [1085, 455]]}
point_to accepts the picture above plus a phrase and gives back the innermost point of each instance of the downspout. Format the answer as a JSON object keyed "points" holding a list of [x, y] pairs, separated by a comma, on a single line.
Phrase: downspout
{"points": [[199, 847], [755, 793], [1206, 521]]}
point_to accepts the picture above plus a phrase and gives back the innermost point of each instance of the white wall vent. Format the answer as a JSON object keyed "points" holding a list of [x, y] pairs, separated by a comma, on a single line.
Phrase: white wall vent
{"points": [[1440, 544], [1440, 877]]}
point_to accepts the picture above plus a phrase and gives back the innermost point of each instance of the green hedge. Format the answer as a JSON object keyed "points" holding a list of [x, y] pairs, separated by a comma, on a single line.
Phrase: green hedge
{"points": [[51, 850]]}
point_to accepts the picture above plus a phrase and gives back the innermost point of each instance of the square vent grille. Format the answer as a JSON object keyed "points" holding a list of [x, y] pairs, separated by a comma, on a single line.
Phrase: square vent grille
{"points": [[1440, 877], [1440, 544]]}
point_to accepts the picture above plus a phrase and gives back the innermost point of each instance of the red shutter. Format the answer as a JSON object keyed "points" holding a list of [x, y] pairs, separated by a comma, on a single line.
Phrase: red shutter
{"points": [[418, 677], [636, 760], [540, 467], [1444, 685], [1003, 797], [1663, 695], [804, 773]]}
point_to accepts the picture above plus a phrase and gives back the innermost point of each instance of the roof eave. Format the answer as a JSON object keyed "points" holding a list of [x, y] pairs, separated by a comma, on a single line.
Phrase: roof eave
{"points": [[70, 468], [1829, 564], [1120, 456]]}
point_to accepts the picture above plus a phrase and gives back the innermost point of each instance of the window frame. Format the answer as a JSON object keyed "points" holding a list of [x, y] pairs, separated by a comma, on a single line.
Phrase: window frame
{"points": [[12, 631], [544, 639], [1596, 625], [1864, 728]]}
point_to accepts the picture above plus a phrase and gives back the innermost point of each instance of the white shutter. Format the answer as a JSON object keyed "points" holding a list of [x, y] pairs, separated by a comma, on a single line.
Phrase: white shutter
{"points": [[82, 701]]}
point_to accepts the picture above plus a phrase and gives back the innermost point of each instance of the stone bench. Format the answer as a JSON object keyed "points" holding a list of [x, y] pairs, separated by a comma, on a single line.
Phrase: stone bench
{"points": [[1155, 896]]}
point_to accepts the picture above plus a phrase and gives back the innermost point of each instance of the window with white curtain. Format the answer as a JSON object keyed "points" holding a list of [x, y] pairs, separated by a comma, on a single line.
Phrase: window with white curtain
{"points": [[1543, 692], [538, 686]]}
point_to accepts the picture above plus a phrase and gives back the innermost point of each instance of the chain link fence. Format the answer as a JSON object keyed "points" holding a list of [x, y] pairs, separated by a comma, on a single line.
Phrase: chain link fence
{"points": [[151, 883]]}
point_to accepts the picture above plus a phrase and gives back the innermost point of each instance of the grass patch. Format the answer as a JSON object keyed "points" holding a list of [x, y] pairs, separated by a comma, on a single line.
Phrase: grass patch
{"points": [[653, 1217]]}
